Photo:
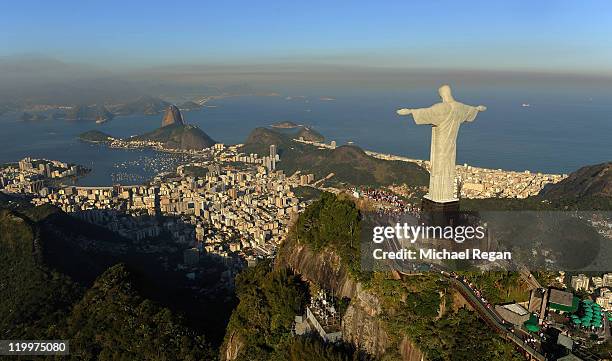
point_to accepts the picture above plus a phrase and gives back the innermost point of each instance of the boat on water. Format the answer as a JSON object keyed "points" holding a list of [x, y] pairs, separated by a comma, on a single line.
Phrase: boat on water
{"points": [[525, 105]]}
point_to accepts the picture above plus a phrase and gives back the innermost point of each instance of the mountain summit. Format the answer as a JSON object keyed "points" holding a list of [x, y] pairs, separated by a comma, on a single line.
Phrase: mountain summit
{"points": [[172, 116]]}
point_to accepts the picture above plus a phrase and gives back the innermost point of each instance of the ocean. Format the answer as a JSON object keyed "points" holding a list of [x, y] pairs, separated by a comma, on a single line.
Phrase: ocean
{"points": [[558, 132]]}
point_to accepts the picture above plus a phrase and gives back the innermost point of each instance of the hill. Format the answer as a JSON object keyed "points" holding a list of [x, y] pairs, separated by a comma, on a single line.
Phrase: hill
{"points": [[95, 136], [350, 164], [590, 181], [179, 136], [73, 280], [383, 317], [143, 105], [88, 112], [285, 125], [260, 139], [113, 318], [309, 134], [110, 318], [33, 296]]}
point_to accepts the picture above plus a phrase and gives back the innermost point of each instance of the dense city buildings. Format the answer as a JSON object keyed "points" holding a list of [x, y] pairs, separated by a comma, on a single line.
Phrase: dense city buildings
{"points": [[35, 175], [238, 213], [475, 182]]}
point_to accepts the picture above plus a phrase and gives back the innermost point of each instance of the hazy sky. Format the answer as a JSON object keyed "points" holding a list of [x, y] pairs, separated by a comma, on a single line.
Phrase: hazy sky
{"points": [[557, 35]]}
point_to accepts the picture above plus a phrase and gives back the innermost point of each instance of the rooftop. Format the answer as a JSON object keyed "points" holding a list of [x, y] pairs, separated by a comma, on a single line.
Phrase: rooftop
{"points": [[516, 308], [561, 297]]}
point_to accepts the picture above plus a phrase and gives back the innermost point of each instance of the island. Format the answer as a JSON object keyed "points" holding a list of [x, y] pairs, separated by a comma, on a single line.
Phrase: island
{"points": [[285, 125], [95, 136]]}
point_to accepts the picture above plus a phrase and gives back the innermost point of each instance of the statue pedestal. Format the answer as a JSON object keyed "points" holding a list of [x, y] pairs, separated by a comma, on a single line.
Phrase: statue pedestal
{"points": [[440, 213]]}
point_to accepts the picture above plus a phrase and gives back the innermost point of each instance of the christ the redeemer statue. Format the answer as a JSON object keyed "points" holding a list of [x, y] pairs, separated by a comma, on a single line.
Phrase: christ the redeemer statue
{"points": [[445, 118]]}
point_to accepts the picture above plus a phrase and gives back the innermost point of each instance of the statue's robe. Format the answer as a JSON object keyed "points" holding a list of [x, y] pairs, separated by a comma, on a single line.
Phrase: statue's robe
{"points": [[445, 118]]}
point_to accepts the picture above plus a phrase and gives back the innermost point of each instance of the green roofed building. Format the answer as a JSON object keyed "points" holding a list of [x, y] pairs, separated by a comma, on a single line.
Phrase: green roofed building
{"points": [[531, 324], [562, 301]]}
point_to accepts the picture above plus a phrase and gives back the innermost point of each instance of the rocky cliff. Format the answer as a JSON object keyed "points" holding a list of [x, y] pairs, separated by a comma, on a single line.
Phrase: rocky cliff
{"points": [[361, 324], [172, 116]]}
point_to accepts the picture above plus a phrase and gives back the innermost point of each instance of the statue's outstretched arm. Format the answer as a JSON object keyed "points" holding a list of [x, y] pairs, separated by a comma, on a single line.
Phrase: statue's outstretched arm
{"points": [[432, 115], [470, 112], [404, 111]]}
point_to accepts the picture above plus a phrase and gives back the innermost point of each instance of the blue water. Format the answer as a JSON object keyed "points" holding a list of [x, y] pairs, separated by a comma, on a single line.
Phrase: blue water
{"points": [[560, 132]]}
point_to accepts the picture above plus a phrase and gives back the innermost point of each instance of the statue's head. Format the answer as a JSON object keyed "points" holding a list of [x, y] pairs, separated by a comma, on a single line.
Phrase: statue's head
{"points": [[446, 94]]}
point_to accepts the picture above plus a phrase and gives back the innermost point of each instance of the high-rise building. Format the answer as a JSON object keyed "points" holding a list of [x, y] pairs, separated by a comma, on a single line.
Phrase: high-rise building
{"points": [[607, 280], [25, 164], [273, 151], [597, 282], [273, 155], [580, 282], [605, 299]]}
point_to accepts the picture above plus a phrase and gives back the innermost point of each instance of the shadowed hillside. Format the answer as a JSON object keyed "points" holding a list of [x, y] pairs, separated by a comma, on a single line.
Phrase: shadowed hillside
{"points": [[310, 135], [60, 281], [590, 181], [350, 164]]}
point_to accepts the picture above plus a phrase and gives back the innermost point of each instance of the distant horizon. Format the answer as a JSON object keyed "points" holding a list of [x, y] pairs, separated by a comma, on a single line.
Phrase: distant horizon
{"points": [[296, 65], [40, 78], [563, 37]]}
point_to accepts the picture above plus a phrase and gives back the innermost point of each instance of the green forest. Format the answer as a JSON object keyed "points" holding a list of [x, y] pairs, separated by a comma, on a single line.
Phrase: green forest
{"points": [[108, 321]]}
